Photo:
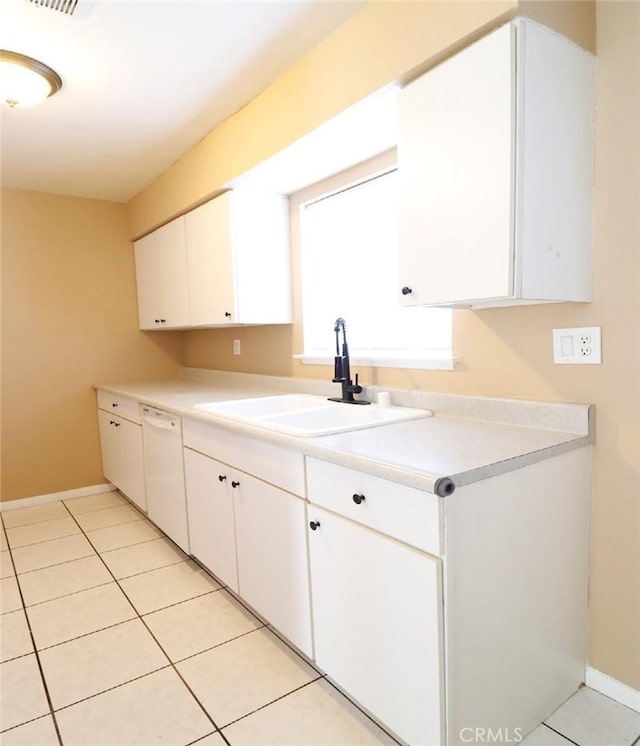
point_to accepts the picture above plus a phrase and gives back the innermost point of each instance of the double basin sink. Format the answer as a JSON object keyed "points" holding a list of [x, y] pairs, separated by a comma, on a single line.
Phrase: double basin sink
{"points": [[307, 415]]}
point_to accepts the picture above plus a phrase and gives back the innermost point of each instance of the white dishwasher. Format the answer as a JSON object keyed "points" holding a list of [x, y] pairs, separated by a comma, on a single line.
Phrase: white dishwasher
{"points": [[164, 473]]}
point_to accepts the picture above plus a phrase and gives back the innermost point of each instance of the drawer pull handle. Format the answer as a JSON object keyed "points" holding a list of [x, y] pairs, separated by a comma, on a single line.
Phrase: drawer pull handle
{"points": [[235, 484], [221, 478], [314, 525], [357, 499]]}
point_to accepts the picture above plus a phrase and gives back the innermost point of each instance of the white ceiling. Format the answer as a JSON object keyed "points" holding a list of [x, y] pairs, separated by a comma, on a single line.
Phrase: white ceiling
{"points": [[143, 82]]}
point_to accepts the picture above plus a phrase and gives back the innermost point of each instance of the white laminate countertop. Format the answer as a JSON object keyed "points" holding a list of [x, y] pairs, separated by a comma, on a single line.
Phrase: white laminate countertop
{"points": [[424, 453]]}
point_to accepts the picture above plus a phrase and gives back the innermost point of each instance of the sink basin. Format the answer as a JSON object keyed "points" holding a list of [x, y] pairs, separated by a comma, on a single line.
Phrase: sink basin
{"points": [[309, 416], [264, 406]]}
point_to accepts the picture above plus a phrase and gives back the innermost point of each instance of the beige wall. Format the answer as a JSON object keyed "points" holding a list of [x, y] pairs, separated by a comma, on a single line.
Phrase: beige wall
{"points": [[505, 352], [69, 320]]}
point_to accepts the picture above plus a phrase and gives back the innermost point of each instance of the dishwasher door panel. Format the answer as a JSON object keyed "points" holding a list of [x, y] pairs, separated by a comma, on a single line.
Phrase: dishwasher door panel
{"points": [[164, 474]]}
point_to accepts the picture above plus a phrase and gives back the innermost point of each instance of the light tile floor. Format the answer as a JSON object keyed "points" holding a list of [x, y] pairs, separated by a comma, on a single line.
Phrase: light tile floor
{"points": [[111, 636]]}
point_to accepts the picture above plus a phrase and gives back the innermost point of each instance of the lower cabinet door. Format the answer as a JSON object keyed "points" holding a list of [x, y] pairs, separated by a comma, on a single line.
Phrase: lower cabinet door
{"points": [[272, 556], [377, 618], [211, 520], [122, 456]]}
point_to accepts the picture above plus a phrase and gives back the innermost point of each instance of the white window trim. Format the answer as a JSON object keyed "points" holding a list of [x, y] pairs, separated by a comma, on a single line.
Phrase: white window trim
{"points": [[430, 361]]}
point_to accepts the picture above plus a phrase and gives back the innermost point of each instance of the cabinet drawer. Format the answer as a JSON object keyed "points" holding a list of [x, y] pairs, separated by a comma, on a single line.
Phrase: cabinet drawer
{"points": [[120, 405], [268, 462], [407, 514]]}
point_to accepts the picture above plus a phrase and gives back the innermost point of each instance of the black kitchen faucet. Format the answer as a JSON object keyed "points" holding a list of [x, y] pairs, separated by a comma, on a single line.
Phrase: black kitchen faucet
{"points": [[342, 370]]}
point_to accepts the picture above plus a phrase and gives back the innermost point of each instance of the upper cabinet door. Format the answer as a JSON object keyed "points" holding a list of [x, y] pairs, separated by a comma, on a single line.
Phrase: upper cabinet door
{"points": [[209, 232], [495, 155], [455, 148], [262, 257], [162, 279]]}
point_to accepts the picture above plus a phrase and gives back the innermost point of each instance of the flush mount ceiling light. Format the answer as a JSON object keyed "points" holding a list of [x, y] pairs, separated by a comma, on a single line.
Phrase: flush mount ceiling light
{"points": [[25, 81]]}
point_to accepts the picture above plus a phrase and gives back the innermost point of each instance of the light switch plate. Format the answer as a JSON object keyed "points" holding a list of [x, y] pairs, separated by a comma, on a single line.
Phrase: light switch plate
{"points": [[578, 346]]}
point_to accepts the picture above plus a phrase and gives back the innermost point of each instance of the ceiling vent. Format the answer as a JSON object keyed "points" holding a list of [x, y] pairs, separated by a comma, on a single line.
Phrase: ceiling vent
{"points": [[67, 7]]}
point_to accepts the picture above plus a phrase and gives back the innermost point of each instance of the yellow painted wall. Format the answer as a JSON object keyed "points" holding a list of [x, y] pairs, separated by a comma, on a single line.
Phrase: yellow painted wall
{"points": [[69, 320]]}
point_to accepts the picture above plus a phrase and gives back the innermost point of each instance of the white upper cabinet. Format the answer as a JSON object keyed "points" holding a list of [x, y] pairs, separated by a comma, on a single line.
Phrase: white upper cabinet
{"points": [[239, 260], [162, 278], [224, 263], [495, 159]]}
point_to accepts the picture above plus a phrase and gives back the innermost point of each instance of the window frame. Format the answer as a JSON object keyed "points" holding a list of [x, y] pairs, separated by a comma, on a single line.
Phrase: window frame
{"points": [[413, 358]]}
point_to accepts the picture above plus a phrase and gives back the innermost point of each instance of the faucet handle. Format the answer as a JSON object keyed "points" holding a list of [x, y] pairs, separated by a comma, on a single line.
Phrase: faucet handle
{"points": [[356, 388]]}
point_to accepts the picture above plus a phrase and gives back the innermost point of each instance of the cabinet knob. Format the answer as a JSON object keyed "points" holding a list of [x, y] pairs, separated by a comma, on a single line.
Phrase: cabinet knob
{"points": [[314, 525], [406, 290], [163, 321], [157, 321], [235, 484], [227, 314], [357, 499], [221, 478], [117, 424], [112, 422], [114, 404]]}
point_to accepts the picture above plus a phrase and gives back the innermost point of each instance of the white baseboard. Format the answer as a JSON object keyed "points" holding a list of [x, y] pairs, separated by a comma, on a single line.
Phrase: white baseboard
{"points": [[28, 502], [612, 688]]}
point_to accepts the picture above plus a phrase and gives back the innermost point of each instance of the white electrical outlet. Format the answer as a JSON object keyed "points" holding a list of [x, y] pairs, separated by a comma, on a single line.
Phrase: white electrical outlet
{"points": [[581, 346], [236, 346]]}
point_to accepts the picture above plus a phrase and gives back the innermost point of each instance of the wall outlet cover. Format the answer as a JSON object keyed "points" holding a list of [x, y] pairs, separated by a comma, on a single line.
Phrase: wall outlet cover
{"points": [[577, 346]]}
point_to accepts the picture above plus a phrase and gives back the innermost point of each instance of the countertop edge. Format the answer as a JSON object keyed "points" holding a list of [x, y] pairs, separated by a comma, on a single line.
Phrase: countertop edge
{"points": [[437, 484]]}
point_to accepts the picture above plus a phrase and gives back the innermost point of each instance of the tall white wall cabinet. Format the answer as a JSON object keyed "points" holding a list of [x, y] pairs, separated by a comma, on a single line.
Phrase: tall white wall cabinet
{"points": [[495, 159]]}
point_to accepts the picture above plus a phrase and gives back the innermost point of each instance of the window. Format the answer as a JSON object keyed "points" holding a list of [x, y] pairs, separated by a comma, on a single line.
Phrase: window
{"points": [[349, 258]]}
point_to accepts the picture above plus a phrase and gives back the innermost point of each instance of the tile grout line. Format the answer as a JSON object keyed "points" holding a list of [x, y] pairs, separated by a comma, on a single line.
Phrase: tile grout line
{"points": [[360, 708], [126, 503], [57, 564], [273, 701], [562, 735], [112, 688], [144, 572], [48, 520], [220, 644], [139, 616], [35, 543], [66, 595], [76, 533], [35, 652], [87, 634], [219, 732]]}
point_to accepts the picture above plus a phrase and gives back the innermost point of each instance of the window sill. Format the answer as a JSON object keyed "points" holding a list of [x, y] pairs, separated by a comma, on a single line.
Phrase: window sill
{"points": [[431, 361]]}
